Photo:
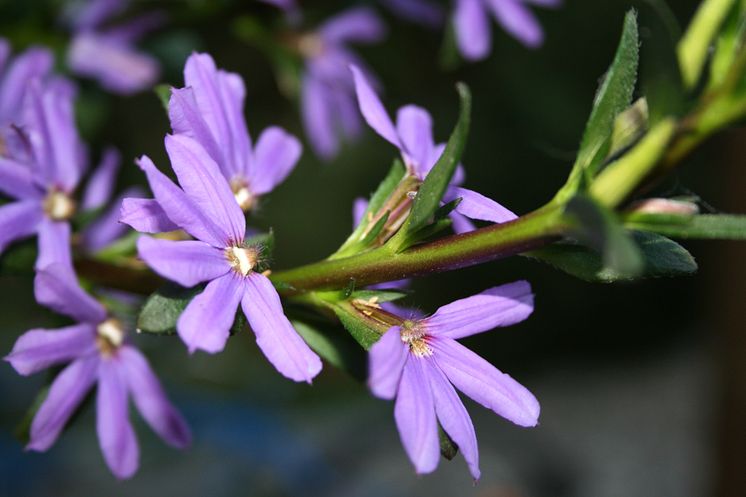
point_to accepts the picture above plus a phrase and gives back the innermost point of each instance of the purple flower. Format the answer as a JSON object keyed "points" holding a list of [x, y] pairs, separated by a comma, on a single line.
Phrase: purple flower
{"points": [[471, 22], [205, 208], [97, 351], [109, 54], [34, 63], [42, 178], [420, 362], [210, 110], [413, 136], [327, 92]]}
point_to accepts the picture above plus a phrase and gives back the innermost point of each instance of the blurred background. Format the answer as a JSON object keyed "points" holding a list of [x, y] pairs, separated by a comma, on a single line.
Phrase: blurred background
{"points": [[642, 386]]}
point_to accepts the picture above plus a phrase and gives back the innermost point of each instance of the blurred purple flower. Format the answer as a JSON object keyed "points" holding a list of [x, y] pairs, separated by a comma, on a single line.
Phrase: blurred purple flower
{"points": [[420, 362], [97, 352], [413, 136], [418, 11], [205, 208], [327, 92], [210, 110], [34, 63], [471, 21], [108, 54]]}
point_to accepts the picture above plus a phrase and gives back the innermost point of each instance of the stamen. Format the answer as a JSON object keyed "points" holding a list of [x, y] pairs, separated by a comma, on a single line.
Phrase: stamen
{"points": [[414, 334], [242, 194], [241, 259], [110, 336], [59, 206]]}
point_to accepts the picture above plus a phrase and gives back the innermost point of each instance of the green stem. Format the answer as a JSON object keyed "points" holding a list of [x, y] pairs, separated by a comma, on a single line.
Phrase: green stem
{"points": [[382, 264]]}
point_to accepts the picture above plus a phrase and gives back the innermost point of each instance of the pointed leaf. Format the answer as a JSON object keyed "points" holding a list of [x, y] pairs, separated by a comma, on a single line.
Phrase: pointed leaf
{"points": [[713, 226], [335, 346]]}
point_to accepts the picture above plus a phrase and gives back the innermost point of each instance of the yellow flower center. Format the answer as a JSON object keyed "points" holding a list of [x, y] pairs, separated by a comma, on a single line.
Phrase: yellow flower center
{"points": [[242, 194], [413, 334], [109, 336], [241, 259], [59, 206]]}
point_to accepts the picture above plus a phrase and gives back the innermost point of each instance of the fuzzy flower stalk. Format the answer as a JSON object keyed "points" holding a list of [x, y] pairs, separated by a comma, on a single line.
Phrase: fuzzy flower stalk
{"points": [[420, 362], [97, 352]]}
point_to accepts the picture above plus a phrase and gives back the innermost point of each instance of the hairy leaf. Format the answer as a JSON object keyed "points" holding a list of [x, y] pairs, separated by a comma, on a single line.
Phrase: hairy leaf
{"points": [[717, 226]]}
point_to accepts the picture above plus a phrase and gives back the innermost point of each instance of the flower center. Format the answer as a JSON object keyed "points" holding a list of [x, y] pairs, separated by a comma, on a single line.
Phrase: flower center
{"points": [[310, 45], [241, 259], [413, 334], [110, 336], [242, 194], [59, 206]]}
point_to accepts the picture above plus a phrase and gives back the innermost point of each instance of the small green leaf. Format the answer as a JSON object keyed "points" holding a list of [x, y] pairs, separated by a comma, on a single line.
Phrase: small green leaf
{"points": [[429, 196], [728, 45], [599, 229], [363, 328], [662, 258], [712, 226], [379, 295], [375, 230], [629, 126], [23, 428], [163, 92], [448, 448], [613, 97], [335, 346], [162, 309]]}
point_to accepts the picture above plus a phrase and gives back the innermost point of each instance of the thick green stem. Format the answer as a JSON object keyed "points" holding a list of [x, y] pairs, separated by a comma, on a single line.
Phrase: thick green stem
{"points": [[382, 264]]}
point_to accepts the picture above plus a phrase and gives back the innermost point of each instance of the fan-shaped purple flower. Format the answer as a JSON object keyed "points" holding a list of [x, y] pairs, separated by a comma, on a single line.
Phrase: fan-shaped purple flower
{"points": [[96, 351], [420, 362], [413, 136]]}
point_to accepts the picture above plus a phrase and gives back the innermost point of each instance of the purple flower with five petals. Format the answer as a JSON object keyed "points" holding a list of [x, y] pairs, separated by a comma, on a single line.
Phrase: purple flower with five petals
{"points": [[205, 208], [108, 54], [471, 21], [413, 136], [420, 362], [98, 352], [327, 93]]}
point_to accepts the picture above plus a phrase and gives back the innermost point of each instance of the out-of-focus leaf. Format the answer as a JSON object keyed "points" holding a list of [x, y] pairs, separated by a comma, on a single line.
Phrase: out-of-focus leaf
{"points": [[598, 228], [163, 92], [336, 346], [125, 246], [23, 428], [715, 226], [662, 258], [162, 309], [728, 45], [629, 126], [19, 258], [695, 44], [429, 196], [448, 448]]}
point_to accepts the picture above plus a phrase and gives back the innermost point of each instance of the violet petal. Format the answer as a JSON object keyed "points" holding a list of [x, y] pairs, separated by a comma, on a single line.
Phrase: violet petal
{"points": [[56, 287], [415, 128], [145, 215], [275, 156], [101, 184], [360, 24], [373, 110], [54, 243], [386, 361], [115, 434], [18, 220], [518, 20], [17, 180], [186, 262], [476, 206], [39, 349], [472, 26]]}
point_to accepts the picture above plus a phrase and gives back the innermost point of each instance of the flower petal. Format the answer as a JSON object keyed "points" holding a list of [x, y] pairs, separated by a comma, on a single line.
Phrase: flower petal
{"points": [[415, 128], [186, 262], [179, 207], [414, 413], [39, 349], [453, 418], [318, 118], [151, 400], [145, 215], [54, 243], [476, 206], [485, 384], [419, 11], [498, 306], [358, 24], [186, 119], [18, 220], [359, 206], [68, 390], [17, 180], [56, 287], [472, 26], [461, 223], [106, 229], [205, 323], [202, 181], [518, 20], [277, 338], [115, 434], [275, 156], [101, 185], [34, 63], [386, 361], [373, 110]]}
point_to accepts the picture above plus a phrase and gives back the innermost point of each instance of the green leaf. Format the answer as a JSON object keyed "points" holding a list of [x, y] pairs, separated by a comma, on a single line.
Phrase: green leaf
{"points": [[163, 92], [23, 428], [429, 196], [364, 329], [379, 295], [662, 258], [125, 246], [335, 346], [711, 226], [613, 97], [448, 448], [695, 44], [19, 259], [162, 309], [629, 126], [729, 47], [353, 243]]}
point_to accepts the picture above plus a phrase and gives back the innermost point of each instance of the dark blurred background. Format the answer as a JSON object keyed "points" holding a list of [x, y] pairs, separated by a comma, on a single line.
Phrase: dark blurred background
{"points": [[642, 386]]}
